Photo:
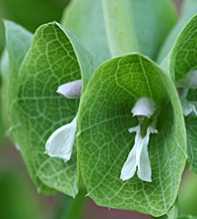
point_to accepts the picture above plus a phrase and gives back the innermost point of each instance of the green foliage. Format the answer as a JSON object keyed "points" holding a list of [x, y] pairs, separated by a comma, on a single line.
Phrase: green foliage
{"points": [[189, 8], [2, 37], [37, 110], [183, 54], [123, 32], [104, 141], [2, 41], [32, 13], [17, 41], [182, 59], [111, 28], [16, 200]]}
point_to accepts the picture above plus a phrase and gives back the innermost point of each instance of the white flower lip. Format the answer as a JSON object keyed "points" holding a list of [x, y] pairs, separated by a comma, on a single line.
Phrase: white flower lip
{"points": [[70, 90], [138, 158], [60, 143], [145, 106]]}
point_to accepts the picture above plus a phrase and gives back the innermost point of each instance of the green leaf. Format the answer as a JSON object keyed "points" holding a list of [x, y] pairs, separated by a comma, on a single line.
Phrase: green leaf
{"points": [[111, 28], [183, 54], [2, 43], [53, 59], [182, 59], [17, 41], [189, 9], [2, 36], [104, 141], [1, 117]]}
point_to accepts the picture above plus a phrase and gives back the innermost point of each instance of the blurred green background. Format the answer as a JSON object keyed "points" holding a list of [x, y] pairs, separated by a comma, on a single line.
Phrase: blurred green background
{"points": [[32, 13], [18, 197]]}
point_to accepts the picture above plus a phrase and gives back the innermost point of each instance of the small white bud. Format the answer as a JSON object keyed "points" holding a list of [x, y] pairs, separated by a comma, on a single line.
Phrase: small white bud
{"points": [[71, 90], [144, 107]]}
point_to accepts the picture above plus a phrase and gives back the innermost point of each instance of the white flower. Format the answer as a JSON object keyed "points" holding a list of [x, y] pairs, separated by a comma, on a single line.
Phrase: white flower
{"points": [[71, 90], [189, 107], [138, 158], [190, 82], [144, 107], [60, 143]]}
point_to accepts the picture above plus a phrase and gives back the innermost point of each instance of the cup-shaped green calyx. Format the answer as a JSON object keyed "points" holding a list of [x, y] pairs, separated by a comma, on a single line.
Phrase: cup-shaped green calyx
{"points": [[55, 58], [182, 67], [104, 141]]}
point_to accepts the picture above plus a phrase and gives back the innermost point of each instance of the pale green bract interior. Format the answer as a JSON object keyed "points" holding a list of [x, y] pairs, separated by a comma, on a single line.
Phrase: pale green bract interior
{"points": [[104, 141]]}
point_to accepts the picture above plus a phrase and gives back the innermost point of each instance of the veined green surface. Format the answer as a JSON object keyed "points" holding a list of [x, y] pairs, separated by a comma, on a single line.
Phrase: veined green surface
{"points": [[37, 110], [188, 10], [181, 60], [104, 141]]}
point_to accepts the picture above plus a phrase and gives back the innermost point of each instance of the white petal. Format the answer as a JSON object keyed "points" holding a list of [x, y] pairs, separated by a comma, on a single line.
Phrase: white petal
{"points": [[60, 143], [17, 146], [144, 107], [138, 158], [71, 90], [130, 165], [144, 171]]}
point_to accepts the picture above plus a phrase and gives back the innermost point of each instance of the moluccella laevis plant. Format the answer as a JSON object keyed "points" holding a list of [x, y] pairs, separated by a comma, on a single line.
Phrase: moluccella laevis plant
{"points": [[93, 105]]}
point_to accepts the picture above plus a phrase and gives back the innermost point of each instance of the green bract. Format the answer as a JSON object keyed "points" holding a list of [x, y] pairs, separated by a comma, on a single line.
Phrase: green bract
{"points": [[2, 41], [17, 42], [37, 110], [182, 59], [104, 141], [110, 28], [189, 8]]}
